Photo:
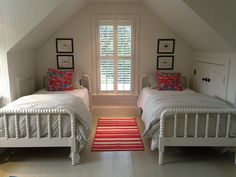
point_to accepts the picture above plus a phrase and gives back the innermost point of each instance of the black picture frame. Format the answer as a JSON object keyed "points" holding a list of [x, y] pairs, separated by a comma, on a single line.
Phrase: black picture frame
{"points": [[166, 46], [65, 61], [165, 62], [64, 45]]}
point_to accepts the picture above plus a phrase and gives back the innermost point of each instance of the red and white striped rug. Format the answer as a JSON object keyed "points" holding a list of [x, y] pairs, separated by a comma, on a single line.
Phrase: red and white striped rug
{"points": [[117, 134]]}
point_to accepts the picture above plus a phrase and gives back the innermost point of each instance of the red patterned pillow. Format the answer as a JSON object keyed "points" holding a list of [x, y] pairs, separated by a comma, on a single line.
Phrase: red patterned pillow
{"points": [[60, 80], [169, 81]]}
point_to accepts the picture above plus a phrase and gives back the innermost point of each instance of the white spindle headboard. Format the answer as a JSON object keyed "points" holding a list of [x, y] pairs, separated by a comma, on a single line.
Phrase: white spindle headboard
{"points": [[85, 81], [25, 85], [144, 81]]}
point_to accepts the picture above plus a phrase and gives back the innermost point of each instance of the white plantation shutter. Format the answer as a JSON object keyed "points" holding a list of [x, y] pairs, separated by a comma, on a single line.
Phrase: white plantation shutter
{"points": [[124, 40], [115, 56], [124, 57], [107, 75], [106, 55], [124, 75], [106, 40]]}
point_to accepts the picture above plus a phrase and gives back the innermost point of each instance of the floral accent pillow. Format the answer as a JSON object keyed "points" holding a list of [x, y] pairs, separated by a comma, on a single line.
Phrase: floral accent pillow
{"points": [[60, 80], [169, 81]]}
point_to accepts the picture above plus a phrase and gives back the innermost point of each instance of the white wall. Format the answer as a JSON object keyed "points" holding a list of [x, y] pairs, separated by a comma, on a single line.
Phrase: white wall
{"points": [[188, 25], [17, 19], [79, 28], [220, 15], [21, 63], [221, 58]]}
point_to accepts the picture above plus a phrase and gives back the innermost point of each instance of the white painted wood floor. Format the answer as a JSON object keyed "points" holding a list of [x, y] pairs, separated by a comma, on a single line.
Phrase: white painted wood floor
{"points": [[179, 162]]}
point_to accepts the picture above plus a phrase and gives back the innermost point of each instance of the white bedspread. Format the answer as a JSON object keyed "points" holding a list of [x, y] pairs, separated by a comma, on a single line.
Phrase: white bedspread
{"points": [[153, 102], [81, 92], [51, 101]]}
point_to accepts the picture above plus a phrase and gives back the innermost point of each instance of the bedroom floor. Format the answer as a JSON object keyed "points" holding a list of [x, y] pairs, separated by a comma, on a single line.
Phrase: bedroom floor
{"points": [[54, 162]]}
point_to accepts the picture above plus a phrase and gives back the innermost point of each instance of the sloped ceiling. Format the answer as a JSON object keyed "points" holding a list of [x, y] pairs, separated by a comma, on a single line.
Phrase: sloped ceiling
{"points": [[50, 25], [188, 25], [180, 17], [220, 15]]}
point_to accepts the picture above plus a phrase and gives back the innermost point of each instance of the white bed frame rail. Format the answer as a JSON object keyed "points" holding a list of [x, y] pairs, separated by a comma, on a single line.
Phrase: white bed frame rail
{"points": [[39, 141], [206, 140]]}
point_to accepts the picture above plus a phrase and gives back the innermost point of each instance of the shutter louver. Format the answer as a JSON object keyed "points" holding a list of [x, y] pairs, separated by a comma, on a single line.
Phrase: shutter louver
{"points": [[107, 76], [106, 40], [124, 41], [115, 56], [124, 75], [124, 57]]}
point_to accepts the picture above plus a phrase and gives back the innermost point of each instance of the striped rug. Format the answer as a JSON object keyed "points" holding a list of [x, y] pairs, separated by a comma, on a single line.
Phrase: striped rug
{"points": [[117, 134]]}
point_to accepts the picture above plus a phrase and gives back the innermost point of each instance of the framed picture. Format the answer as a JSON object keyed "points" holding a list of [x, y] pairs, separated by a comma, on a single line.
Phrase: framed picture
{"points": [[65, 61], [166, 46], [165, 62], [64, 45]]}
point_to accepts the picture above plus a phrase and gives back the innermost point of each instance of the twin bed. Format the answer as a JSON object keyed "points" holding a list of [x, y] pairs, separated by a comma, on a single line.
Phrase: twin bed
{"points": [[47, 119], [171, 118], [185, 118]]}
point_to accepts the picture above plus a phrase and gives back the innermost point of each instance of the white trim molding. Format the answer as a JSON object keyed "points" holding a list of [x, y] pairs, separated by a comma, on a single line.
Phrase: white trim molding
{"points": [[135, 18]]}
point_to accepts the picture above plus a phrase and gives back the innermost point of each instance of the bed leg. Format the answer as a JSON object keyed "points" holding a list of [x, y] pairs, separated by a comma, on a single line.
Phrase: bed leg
{"points": [[73, 158], [74, 155], [161, 149], [160, 157], [235, 157]]}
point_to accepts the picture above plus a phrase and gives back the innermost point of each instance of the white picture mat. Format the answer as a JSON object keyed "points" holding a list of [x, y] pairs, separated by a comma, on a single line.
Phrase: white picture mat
{"points": [[65, 45], [65, 61], [165, 62], [166, 46]]}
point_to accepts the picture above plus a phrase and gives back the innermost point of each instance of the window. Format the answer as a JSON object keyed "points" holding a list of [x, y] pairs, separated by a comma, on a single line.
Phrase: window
{"points": [[115, 56]]}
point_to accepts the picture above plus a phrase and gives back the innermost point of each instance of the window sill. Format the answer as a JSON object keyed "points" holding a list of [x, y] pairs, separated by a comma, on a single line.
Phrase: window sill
{"points": [[116, 95]]}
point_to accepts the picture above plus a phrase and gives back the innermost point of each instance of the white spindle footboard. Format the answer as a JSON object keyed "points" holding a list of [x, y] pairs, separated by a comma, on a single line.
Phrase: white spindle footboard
{"points": [[7, 141], [195, 140]]}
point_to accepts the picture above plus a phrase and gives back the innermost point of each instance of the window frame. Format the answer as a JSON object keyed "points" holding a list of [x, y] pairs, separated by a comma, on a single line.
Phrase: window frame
{"points": [[115, 58], [134, 21]]}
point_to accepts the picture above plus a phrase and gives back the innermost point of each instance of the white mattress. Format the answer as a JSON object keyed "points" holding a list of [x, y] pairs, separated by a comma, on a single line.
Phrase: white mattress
{"points": [[49, 101], [81, 92], [153, 102], [147, 93]]}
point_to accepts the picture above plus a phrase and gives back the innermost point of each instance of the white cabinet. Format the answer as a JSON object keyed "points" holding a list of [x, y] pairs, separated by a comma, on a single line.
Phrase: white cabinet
{"points": [[211, 79]]}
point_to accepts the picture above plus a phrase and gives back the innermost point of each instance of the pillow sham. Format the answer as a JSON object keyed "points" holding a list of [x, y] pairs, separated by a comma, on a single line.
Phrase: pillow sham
{"points": [[76, 80], [169, 81], [60, 80], [152, 81]]}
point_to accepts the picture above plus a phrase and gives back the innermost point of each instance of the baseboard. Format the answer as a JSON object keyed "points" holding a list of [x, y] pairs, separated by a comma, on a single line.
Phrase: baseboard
{"points": [[113, 100], [115, 111]]}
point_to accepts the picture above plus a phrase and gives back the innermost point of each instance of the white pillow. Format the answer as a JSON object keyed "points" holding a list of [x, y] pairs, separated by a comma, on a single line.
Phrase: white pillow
{"points": [[76, 79], [152, 81]]}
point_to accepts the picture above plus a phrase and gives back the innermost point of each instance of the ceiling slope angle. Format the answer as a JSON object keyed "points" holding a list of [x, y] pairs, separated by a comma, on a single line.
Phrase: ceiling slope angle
{"points": [[189, 26], [49, 25], [220, 15]]}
